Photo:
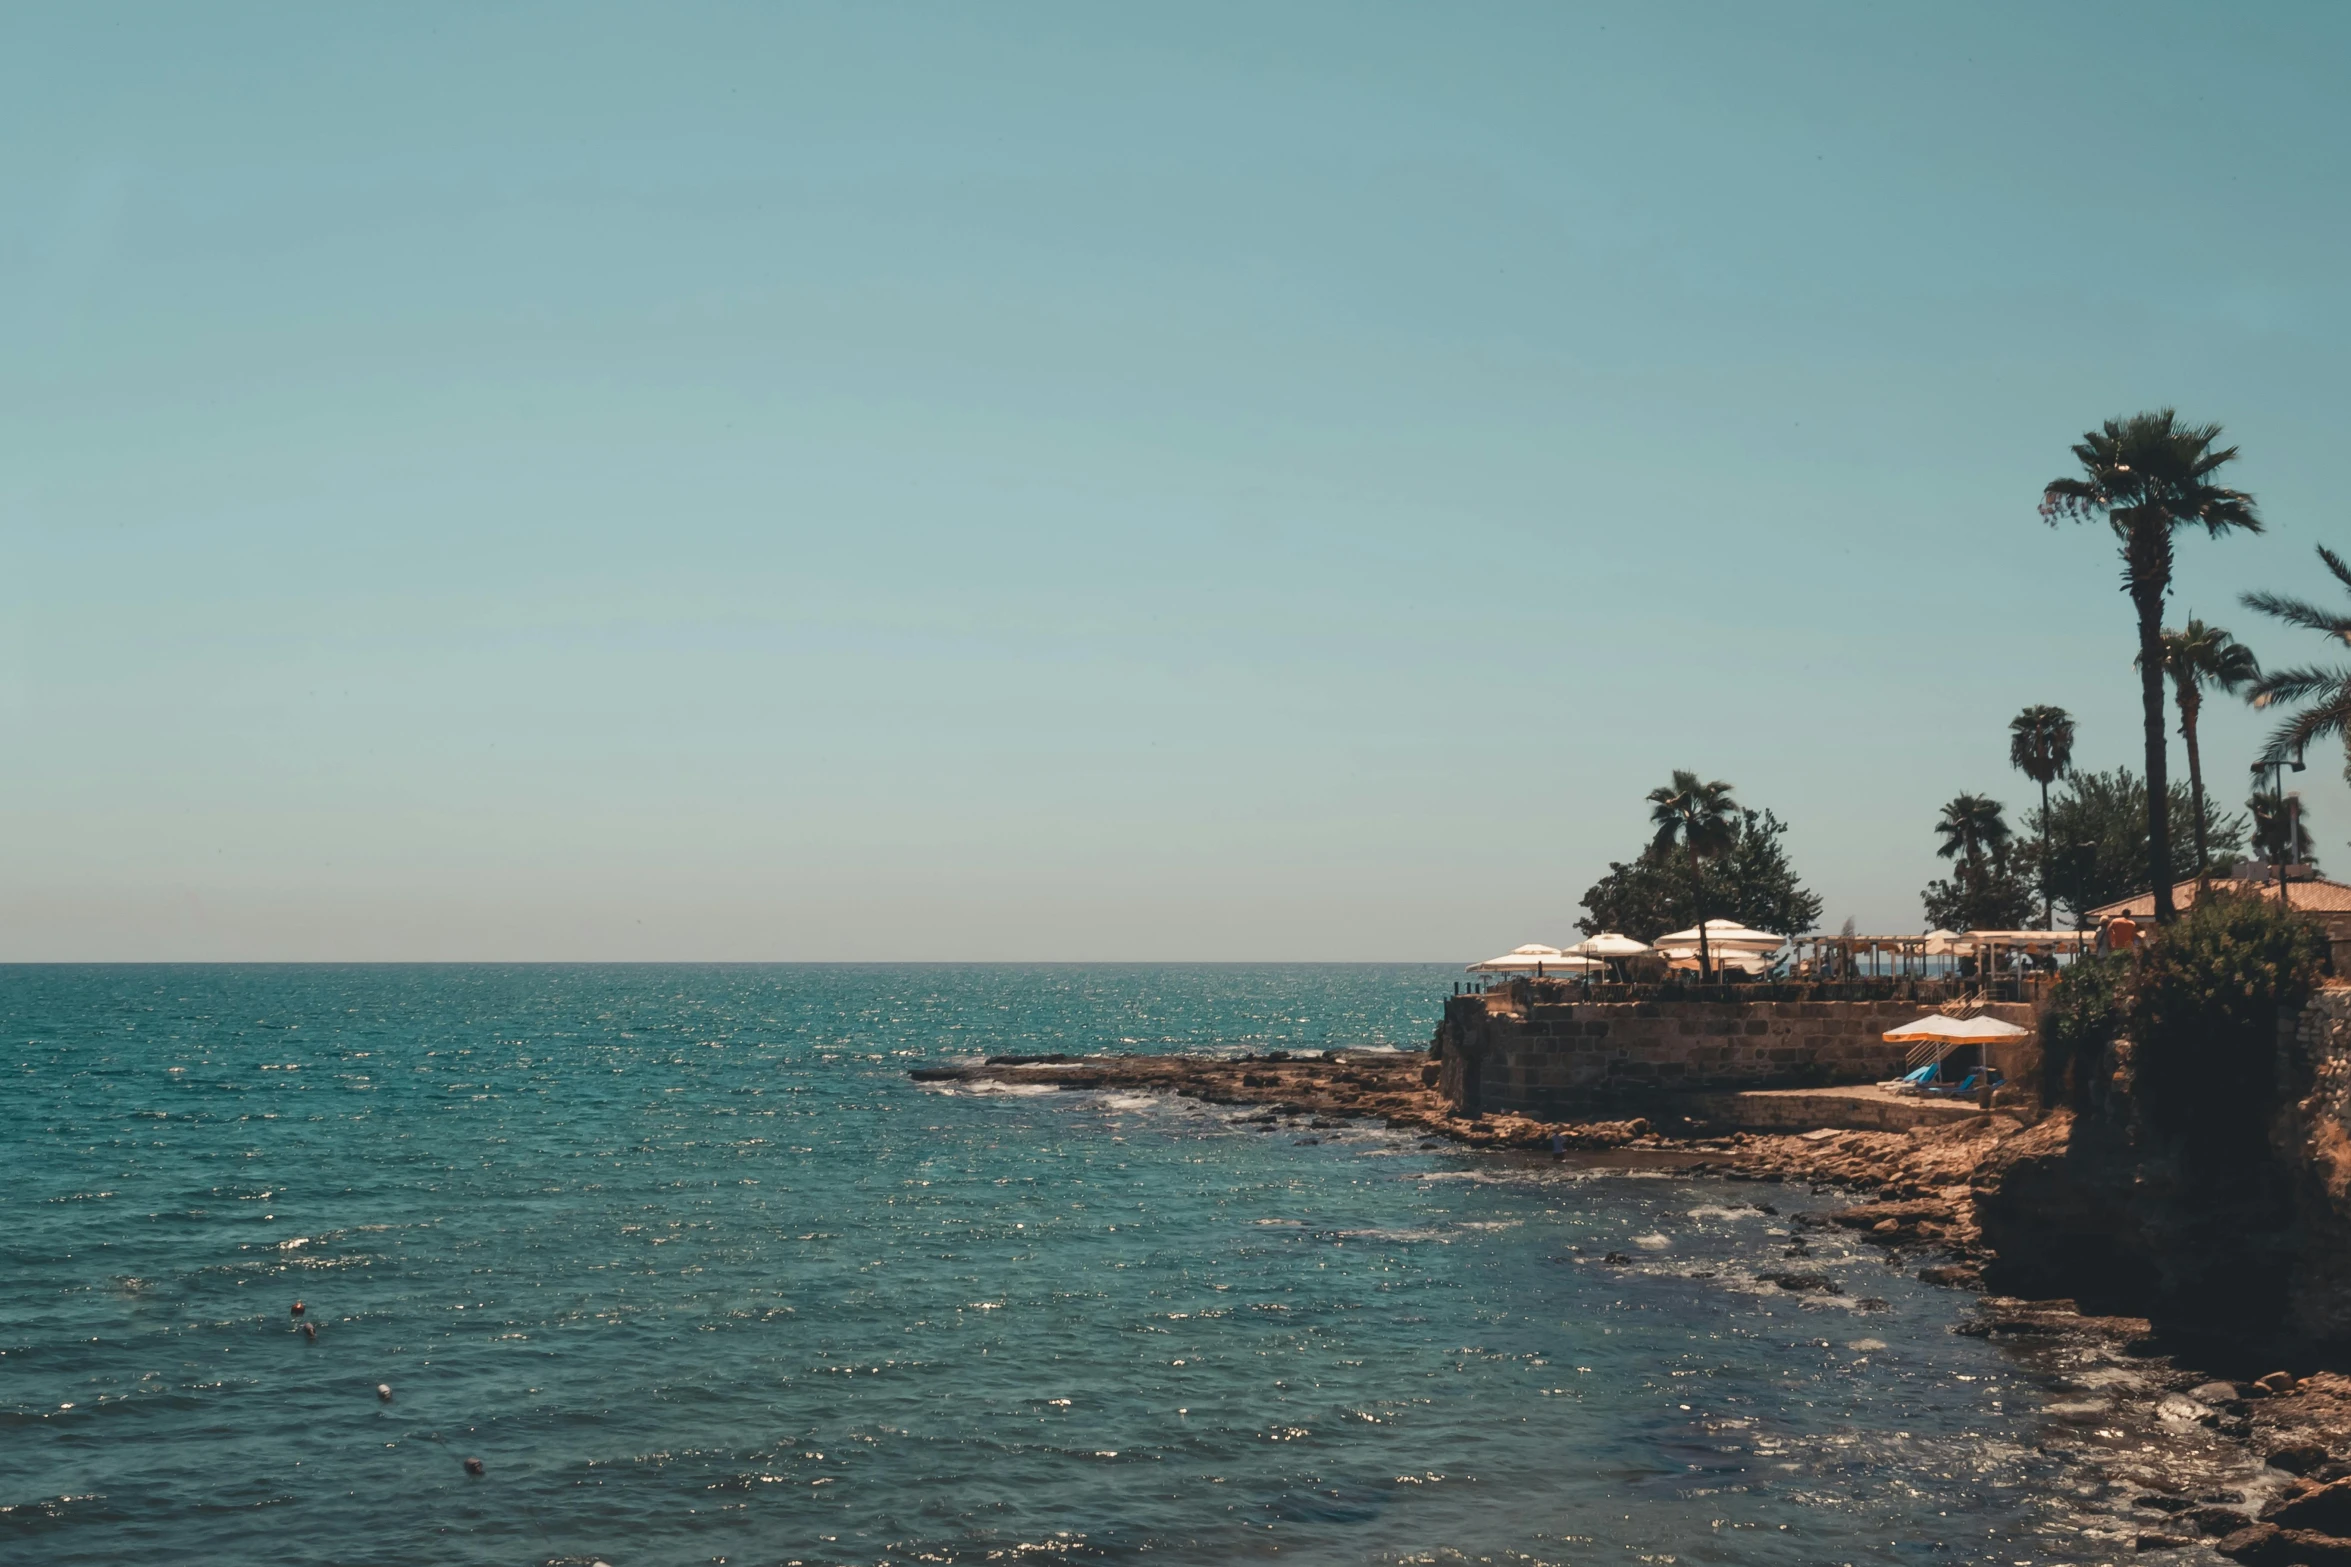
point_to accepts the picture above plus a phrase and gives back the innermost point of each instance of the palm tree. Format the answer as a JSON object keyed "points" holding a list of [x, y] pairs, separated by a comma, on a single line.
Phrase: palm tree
{"points": [[2327, 691], [1704, 818], [2195, 656], [2148, 476], [1973, 824], [2040, 746]]}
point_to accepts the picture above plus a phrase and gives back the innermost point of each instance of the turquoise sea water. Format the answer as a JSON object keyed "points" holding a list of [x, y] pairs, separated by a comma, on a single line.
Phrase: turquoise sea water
{"points": [[686, 1260]]}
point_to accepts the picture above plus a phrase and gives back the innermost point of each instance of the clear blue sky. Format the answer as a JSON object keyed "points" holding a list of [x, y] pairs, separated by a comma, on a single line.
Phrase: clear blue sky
{"points": [[1097, 482]]}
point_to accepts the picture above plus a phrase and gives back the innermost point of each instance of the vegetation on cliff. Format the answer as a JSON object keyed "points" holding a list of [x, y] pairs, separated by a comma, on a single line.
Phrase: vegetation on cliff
{"points": [[2202, 1015], [2083, 1018]]}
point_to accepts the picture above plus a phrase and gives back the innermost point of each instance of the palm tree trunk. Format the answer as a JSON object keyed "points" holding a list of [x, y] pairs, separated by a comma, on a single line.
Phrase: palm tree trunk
{"points": [[2190, 700], [2048, 903], [1698, 900], [2147, 595]]}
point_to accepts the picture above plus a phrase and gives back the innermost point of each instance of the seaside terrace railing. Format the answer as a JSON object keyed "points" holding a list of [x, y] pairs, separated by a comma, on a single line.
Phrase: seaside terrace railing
{"points": [[1927, 991]]}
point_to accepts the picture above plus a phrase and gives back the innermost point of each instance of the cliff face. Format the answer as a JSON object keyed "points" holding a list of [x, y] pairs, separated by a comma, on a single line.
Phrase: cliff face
{"points": [[2096, 1204]]}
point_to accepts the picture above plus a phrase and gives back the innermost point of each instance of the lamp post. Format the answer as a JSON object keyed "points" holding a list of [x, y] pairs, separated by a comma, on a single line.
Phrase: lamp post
{"points": [[2289, 851]]}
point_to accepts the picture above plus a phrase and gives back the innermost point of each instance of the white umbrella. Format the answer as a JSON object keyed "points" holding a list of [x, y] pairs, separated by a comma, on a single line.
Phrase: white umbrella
{"points": [[1529, 958], [1729, 935], [1744, 962], [1608, 944]]}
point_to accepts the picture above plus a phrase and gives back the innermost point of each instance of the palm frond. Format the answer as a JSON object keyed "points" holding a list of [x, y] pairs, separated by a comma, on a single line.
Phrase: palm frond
{"points": [[2297, 612], [2297, 685], [2292, 738]]}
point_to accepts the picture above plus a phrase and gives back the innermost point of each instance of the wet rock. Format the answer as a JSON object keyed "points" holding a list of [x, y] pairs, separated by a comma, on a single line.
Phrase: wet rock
{"points": [[2212, 1521], [1953, 1276], [2160, 1542], [2306, 1548], [2260, 1544], [2276, 1382], [1617, 1259], [2326, 1509], [1804, 1283], [2297, 1457], [2214, 1393]]}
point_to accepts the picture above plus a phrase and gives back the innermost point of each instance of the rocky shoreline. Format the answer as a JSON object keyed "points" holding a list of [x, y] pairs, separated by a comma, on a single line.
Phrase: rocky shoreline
{"points": [[2254, 1463]]}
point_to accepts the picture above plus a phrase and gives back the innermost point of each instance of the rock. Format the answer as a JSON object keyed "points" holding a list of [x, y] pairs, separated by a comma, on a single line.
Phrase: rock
{"points": [[1956, 1276], [2326, 1510], [2161, 1542], [473, 1466], [1804, 1282], [2308, 1548], [2212, 1521], [2276, 1382], [2261, 1544], [1617, 1259], [2214, 1392], [1886, 1227], [2297, 1457]]}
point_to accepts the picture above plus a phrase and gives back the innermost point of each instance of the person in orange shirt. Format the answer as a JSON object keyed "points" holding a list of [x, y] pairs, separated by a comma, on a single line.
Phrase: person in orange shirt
{"points": [[2122, 933]]}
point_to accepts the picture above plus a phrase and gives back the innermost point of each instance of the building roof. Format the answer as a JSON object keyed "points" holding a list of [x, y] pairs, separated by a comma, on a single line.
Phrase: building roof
{"points": [[2318, 895]]}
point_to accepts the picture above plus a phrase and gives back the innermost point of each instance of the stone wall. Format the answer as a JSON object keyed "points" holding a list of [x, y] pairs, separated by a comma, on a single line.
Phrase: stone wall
{"points": [[1505, 1050]]}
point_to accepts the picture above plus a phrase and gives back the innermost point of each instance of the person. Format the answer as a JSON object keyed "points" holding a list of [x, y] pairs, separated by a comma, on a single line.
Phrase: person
{"points": [[2121, 933]]}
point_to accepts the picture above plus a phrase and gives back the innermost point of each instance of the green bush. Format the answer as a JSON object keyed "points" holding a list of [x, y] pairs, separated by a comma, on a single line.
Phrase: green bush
{"points": [[2203, 1018], [2085, 1015]]}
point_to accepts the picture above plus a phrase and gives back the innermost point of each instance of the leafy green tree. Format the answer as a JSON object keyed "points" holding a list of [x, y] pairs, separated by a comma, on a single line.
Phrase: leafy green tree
{"points": [[2196, 656], [2148, 476], [2326, 692], [1985, 893], [2096, 829], [1753, 883], [2040, 746], [1702, 817]]}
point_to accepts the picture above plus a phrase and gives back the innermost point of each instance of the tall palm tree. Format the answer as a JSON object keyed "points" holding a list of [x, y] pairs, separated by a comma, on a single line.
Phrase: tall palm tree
{"points": [[2040, 746], [1703, 818], [2326, 691], [2196, 656], [1973, 825], [2148, 476]]}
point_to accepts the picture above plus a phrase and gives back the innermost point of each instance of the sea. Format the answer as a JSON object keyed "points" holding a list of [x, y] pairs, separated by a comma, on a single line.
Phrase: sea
{"points": [[698, 1274]]}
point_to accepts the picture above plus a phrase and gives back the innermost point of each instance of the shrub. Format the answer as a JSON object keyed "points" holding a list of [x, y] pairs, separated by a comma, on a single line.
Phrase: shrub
{"points": [[2085, 1015], [2203, 1016]]}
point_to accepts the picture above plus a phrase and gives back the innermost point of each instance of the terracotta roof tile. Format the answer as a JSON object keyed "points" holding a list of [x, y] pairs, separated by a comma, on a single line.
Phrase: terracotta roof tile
{"points": [[2319, 895]]}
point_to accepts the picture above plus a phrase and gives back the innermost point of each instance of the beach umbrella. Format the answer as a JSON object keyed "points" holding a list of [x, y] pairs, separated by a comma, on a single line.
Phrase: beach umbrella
{"points": [[1528, 959], [1935, 1028], [1727, 935], [1608, 944]]}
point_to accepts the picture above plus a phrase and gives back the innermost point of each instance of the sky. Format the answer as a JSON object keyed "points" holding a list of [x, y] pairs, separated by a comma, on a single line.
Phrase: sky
{"points": [[1039, 482]]}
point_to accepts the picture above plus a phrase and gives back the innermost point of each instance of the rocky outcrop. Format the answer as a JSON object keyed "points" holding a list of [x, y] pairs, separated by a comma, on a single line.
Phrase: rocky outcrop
{"points": [[2096, 1204]]}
